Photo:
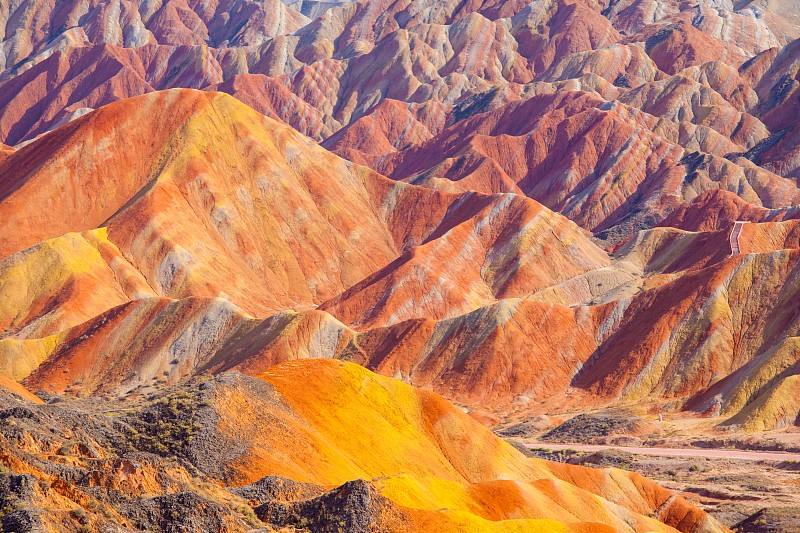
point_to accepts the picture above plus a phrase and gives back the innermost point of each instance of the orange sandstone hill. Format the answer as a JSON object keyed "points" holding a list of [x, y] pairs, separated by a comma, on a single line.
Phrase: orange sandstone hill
{"points": [[290, 443], [218, 200]]}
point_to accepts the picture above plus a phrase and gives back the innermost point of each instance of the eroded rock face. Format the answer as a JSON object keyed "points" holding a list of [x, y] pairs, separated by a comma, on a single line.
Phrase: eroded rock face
{"points": [[30, 26], [492, 299], [351, 72], [169, 513], [355, 506]]}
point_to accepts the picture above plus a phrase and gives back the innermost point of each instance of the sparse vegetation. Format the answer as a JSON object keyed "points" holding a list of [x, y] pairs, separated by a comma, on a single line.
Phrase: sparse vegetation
{"points": [[558, 456], [167, 426], [595, 427], [249, 515], [80, 516]]}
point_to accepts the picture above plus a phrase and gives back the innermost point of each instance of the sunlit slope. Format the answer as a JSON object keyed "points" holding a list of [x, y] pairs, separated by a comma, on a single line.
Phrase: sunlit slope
{"points": [[64, 281], [486, 357], [328, 422], [421, 463], [502, 246], [220, 229], [17, 389]]}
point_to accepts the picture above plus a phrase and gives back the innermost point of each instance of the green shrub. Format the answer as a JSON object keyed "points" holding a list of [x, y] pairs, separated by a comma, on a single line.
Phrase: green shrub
{"points": [[80, 516]]}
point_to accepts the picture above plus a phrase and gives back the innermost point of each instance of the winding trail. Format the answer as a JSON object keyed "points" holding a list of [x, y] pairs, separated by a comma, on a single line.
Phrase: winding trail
{"points": [[743, 455], [734, 238]]}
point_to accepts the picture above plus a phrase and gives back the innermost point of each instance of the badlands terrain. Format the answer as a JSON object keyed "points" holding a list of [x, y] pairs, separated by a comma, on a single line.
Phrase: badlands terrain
{"points": [[352, 266]]}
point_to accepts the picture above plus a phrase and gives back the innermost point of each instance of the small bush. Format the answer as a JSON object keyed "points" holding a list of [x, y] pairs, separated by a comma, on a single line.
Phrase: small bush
{"points": [[80, 516], [249, 515]]}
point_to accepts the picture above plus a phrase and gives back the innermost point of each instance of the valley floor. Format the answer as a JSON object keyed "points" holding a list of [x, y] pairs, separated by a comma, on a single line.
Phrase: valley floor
{"points": [[738, 455], [748, 491]]}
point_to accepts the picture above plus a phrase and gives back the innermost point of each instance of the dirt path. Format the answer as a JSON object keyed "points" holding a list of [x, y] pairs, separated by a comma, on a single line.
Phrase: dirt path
{"points": [[675, 452], [734, 238]]}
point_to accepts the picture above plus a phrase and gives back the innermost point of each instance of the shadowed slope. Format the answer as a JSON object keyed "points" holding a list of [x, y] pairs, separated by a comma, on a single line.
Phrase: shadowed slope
{"points": [[597, 162], [717, 209]]}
